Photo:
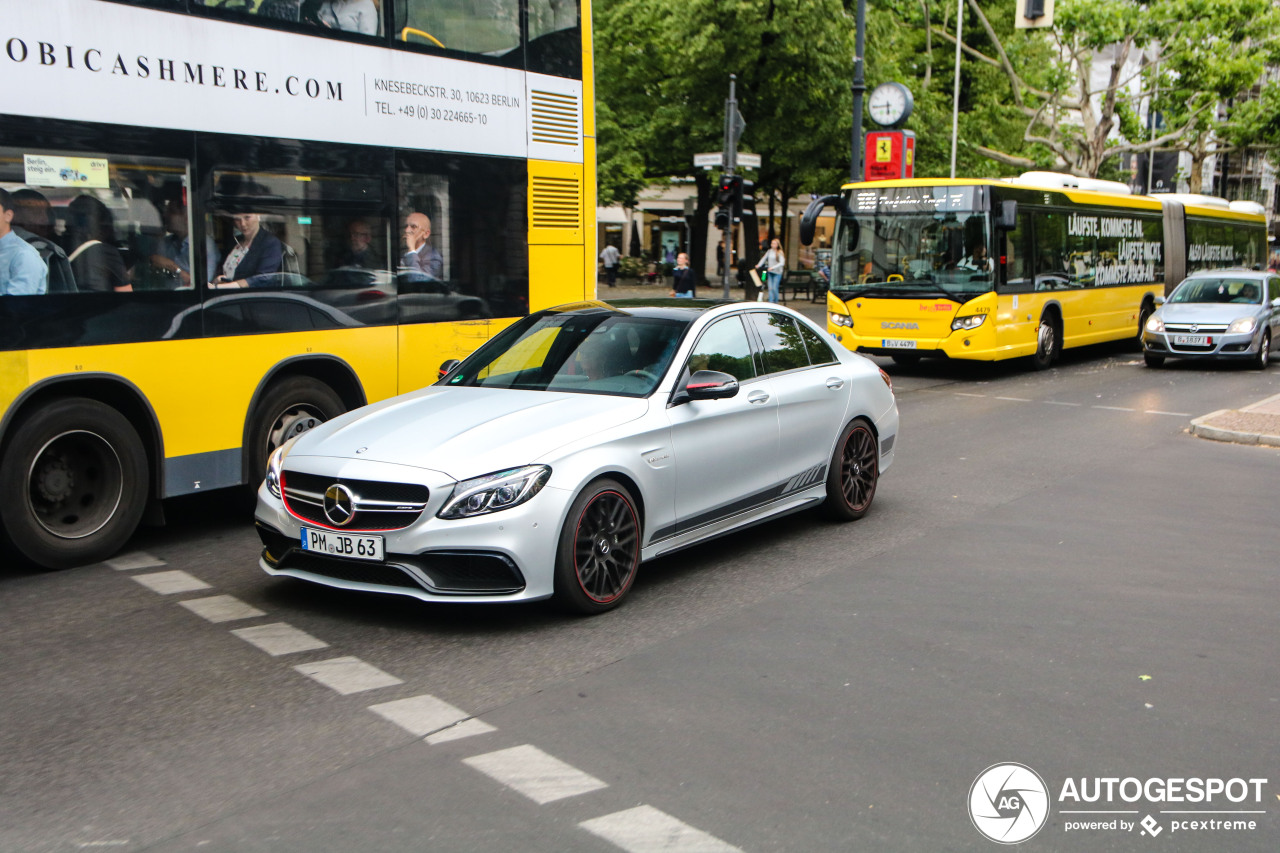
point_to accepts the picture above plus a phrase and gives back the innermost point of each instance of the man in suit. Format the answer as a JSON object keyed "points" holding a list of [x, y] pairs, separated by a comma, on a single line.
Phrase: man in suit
{"points": [[421, 255]]}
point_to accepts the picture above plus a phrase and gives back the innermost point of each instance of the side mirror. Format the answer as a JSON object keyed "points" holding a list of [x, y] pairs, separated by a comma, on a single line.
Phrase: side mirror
{"points": [[809, 221], [711, 385], [1275, 303], [1159, 300], [1008, 216], [447, 366]]}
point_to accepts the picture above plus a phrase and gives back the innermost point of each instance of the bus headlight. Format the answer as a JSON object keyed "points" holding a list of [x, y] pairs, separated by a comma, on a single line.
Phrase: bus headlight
{"points": [[494, 492], [1155, 324], [275, 466], [1242, 326], [972, 321], [841, 320]]}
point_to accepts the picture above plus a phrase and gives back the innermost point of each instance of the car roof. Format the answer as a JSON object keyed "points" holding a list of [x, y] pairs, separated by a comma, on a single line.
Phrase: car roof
{"points": [[684, 310]]}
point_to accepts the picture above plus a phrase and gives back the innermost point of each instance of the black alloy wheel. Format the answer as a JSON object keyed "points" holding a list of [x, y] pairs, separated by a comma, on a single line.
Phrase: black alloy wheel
{"points": [[599, 551], [853, 473], [76, 479]]}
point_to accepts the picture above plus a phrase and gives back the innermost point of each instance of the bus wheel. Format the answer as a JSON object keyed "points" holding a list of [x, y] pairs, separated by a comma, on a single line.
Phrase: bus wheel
{"points": [[1143, 316], [288, 408], [75, 481], [1264, 352], [1047, 344]]}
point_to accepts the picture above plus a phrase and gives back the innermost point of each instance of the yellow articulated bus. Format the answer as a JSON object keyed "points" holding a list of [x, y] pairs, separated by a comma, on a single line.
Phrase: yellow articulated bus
{"points": [[996, 269], [225, 222]]}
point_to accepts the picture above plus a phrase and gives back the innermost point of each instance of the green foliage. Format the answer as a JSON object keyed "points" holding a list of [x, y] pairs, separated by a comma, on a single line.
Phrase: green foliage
{"points": [[630, 267]]}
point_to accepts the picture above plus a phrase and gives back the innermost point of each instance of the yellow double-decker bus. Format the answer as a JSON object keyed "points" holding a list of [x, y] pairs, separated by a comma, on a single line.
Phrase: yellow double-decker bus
{"points": [[996, 269], [252, 215]]}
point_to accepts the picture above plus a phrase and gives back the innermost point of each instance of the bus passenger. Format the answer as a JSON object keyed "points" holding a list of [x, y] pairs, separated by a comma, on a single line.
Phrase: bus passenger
{"points": [[257, 255], [33, 222], [90, 244], [421, 255], [352, 16], [22, 273], [360, 250], [173, 254]]}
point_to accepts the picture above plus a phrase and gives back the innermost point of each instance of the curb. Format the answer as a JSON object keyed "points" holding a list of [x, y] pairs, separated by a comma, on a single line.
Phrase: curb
{"points": [[1200, 427]]}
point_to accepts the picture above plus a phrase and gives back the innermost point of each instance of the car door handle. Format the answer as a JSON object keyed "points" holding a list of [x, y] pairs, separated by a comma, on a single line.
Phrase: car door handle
{"points": [[835, 383], [757, 397]]}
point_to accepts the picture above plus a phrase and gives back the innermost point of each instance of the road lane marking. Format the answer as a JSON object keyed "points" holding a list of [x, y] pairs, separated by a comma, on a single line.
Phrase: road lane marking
{"points": [[964, 394], [1115, 408], [421, 715], [171, 583], [466, 728], [1171, 414], [645, 829], [135, 560], [1015, 399], [279, 638], [532, 772], [221, 608], [1060, 403], [348, 675]]}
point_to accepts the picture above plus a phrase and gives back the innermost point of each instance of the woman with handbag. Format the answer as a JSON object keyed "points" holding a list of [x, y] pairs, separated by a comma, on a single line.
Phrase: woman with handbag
{"points": [[774, 263]]}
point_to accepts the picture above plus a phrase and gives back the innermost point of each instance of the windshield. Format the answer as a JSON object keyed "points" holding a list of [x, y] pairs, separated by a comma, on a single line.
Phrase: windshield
{"points": [[1241, 290], [600, 352], [917, 243]]}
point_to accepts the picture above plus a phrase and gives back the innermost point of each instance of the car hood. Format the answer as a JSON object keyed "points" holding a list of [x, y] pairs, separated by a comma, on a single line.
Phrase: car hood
{"points": [[466, 432], [1206, 312]]}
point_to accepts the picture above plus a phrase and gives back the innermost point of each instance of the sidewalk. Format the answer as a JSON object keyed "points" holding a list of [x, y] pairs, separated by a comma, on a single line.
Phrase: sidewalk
{"points": [[1255, 424], [631, 289]]}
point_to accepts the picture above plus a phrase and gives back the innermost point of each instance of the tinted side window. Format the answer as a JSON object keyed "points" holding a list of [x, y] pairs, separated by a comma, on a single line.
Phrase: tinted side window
{"points": [[783, 346], [724, 347], [819, 351], [491, 28], [555, 38], [325, 17]]}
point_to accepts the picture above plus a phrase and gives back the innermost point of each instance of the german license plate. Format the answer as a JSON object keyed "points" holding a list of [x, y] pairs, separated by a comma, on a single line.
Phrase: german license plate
{"points": [[888, 343], [342, 544], [1192, 340]]}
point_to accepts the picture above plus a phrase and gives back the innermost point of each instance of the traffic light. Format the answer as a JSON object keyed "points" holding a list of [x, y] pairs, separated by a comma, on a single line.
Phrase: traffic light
{"points": [[723, 219], [745, 198], [730, 191]]}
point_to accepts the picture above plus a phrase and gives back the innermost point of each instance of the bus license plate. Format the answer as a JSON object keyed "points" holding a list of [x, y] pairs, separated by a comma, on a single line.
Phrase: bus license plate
{"points": [[891, 344], [342, 544], [1191, 340]]}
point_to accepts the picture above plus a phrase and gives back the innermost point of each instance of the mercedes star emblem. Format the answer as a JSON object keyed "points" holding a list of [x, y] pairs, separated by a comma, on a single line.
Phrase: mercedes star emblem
{"points": [[339, 504]]}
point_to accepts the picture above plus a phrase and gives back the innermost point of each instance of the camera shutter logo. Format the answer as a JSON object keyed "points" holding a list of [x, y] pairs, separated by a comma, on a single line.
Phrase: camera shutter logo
{"points": [[1008, 803]]}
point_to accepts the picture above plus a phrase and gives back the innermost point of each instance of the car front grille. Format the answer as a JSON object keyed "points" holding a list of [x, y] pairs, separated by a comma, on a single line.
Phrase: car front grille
{"points": [[377, 574], [377, 505], [1200, 328]]}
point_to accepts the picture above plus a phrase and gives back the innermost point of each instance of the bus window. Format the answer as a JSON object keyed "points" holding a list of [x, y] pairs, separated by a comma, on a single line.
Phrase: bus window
{"points": [[489, 28], [463, 251], [555, 38], [1017, 274], [329, 17]]}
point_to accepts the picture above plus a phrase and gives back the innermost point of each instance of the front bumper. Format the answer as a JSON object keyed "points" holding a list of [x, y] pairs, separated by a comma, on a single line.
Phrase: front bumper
{"points": [[1221, 346], [504, 556]]}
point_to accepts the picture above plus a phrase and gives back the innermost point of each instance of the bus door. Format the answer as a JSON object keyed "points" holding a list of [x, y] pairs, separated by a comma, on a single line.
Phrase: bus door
{"points": [[1016, 308]]}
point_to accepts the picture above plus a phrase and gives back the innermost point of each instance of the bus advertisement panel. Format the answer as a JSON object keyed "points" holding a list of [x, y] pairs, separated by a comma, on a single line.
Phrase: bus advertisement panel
{"points": [[244, 223]]}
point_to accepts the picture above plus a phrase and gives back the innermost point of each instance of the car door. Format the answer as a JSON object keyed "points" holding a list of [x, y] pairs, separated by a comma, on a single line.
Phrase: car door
{"points": [[725, 450], [813, 395]]}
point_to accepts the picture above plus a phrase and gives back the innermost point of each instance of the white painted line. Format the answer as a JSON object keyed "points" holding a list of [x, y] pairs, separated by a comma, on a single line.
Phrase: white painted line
{"points": [[530, 771], [221, 608], [1171, 414], [420, 715], [1015, 399], [170, 583], [1115, 408], [645, 829], [348, 675], [135, 560], [279, 638], [1060, 403], [963, 394], [466, 728]]}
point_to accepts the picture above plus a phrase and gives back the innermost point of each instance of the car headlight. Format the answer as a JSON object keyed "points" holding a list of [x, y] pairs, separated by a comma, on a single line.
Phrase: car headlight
{"points": [[1155, 324], [972, 321], [1242, 326], [840, 319], [495, 492], [275, 466]]}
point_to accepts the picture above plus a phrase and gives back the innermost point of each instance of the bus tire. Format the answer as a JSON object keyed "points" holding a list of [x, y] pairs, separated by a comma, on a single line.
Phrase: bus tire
{"points": [[75, 477], [1264, 351], [288, 408], [1143, 316], [1048, 344]]}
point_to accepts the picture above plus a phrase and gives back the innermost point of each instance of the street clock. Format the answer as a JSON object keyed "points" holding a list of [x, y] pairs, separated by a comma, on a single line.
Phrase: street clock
{"points": [[890, 104]]}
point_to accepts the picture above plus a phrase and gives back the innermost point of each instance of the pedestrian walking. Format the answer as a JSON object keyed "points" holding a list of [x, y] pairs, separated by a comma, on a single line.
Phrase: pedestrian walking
{"points": [[774, 263], [609, 257]]}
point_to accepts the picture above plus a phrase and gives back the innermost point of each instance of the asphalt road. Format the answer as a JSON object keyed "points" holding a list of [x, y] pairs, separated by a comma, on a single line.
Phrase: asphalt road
{"points": [[1054, 573]]}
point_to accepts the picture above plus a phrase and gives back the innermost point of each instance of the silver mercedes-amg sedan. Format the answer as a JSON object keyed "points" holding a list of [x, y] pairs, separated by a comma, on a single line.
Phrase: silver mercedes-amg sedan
{"points": [[573, 446]]}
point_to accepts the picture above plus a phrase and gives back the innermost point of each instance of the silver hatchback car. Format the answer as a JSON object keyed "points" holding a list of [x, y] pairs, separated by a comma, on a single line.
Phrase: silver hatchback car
{"points": [[578, 443], [1216, 314]]}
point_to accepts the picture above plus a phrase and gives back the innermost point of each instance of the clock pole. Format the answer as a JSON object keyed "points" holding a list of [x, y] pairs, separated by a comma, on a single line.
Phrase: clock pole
{"points": [[859, 86]]}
